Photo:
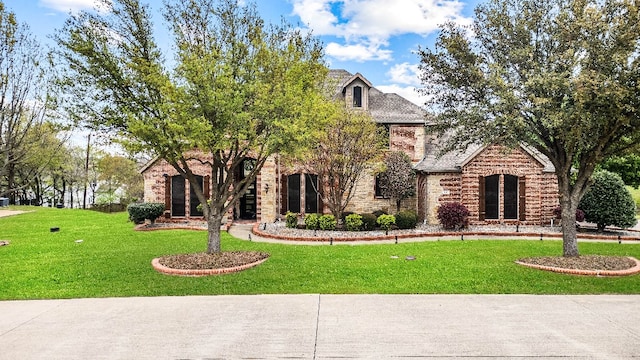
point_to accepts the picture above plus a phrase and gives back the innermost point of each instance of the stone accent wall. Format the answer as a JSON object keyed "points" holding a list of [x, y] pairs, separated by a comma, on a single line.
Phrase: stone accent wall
{"points": [[348, 94], [437, 189], [267, 192], [365, 201]]}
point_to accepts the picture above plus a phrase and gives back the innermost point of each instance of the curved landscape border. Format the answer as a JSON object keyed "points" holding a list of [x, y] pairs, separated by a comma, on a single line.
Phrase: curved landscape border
{"points": [[631, 271], [256, 230], [202, 272]]}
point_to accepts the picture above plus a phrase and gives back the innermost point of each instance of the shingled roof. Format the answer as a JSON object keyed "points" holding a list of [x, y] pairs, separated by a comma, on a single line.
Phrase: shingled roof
{"points": [[385, 108], [454, 161]]}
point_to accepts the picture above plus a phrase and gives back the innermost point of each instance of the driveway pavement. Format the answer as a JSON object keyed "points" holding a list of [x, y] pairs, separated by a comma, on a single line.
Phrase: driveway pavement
{"points": [[323, 327]]}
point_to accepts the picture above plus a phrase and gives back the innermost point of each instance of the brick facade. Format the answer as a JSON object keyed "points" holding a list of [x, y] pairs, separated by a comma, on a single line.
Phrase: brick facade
{"points": [[438, 181], [537, 187]]}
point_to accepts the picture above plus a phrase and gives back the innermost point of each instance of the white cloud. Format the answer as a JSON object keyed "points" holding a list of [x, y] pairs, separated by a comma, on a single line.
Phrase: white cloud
{"points": [[408, 92], [357, 52], [405, 73], [375, 21], [71, 5]]}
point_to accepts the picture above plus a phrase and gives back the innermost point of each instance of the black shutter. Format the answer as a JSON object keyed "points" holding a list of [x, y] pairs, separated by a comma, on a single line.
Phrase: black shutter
{"points": [[481, 199], [522, 193], [167, 192]]}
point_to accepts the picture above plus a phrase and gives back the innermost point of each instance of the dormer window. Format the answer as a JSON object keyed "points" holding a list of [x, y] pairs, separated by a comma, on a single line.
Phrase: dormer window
{"points": [[357, 96]]}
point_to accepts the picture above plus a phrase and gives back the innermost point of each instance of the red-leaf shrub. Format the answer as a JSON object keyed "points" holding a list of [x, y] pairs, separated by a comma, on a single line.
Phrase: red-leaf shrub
{"points": [[453, 216], [557, 212]]}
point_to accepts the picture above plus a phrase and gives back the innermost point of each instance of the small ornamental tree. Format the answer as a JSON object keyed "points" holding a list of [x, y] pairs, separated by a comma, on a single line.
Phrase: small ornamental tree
{"points": [[348, 146], [386, 221], [453, 216], [398, 181], [609, 202]]}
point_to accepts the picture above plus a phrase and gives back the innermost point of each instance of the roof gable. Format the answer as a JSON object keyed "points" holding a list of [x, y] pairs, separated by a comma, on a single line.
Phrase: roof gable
{"points": [[454, 161], [385, 108]]}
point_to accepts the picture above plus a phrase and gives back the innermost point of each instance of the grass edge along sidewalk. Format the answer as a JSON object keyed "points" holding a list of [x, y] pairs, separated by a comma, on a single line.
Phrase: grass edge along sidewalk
{"points": [[100, 255]]}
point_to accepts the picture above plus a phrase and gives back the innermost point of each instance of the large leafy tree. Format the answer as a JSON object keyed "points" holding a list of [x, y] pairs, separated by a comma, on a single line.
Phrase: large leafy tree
{"points": [[23, 100], [240, 89], [350, 145], [45, 154], [561, 76], [120, 173]]}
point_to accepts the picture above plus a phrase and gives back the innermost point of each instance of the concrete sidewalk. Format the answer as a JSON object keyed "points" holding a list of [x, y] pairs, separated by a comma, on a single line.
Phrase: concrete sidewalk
{"points": [[323, 327]]}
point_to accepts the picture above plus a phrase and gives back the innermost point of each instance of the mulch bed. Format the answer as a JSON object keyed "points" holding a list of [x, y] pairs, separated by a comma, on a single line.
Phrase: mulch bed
{"points": [[201, 261], [584, 262]]}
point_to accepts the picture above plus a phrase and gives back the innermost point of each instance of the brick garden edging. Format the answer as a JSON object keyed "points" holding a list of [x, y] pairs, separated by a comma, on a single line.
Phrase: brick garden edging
{"points": [[201, 272], [256, 230], [631, 271]]}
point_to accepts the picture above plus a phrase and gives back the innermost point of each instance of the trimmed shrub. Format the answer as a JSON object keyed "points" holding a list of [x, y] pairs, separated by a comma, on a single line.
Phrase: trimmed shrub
{"points": [[353, 222], [453, 216], [345, 214], [312, 221], [557, 212], [369, 221], [407, 219], [377, 213], [327, 222], [138, 213], [386, 221], [608, 202], [291, 220]]}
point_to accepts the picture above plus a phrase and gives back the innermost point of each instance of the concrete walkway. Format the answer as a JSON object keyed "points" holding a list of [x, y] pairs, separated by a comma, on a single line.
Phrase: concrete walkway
{"points": [[323, 327]]}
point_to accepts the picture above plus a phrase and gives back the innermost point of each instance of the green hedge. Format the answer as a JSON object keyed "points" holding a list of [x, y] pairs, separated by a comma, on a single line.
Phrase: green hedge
{"points": [[406, 219], [138, 213]]}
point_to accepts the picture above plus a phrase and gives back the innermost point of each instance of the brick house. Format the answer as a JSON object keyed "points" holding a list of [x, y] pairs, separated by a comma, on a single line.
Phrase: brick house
{"points": [[471, 177], [496, 184]]}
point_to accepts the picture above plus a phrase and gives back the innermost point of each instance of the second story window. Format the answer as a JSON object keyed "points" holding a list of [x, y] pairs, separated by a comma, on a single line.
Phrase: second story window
{"points": [[357, 96]]}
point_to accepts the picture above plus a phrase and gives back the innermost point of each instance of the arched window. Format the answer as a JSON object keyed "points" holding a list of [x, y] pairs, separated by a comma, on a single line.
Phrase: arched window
{"points": [[357, 96], [492, 196]]}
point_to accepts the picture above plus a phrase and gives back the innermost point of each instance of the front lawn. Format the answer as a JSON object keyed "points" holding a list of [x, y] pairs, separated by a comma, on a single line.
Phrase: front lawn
{"points": [[113, 260]]}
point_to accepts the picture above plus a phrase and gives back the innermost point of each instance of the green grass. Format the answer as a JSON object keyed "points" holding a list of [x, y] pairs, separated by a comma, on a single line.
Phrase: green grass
{"points": [[635, 193], [114, 260]]}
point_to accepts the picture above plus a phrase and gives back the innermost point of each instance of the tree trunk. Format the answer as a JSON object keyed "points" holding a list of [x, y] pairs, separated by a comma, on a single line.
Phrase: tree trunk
{"points": [[214, 222], [569, 233]]}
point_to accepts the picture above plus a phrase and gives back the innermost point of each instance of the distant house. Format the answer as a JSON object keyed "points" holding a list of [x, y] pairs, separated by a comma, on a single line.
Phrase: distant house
{"points": [[496, 186]]}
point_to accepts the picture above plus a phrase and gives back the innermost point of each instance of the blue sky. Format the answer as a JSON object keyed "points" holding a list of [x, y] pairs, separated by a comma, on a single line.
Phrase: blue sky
{"points": [[377, 38]]}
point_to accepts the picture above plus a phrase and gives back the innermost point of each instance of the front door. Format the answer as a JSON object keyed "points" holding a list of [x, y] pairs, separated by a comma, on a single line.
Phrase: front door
{"points": [[249, 200]]}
